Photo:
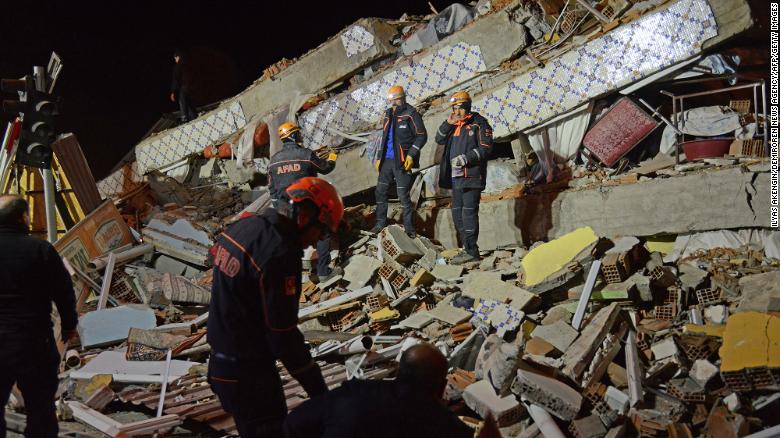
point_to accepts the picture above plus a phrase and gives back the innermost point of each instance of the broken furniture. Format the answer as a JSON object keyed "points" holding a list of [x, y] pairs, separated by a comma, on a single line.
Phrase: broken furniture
{"points": [[678, 107]]}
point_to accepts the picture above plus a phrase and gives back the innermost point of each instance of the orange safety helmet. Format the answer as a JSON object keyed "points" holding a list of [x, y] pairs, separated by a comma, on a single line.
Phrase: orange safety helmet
{"points": [[323, 195], [460, 98], [287, 129], [395, 92]]}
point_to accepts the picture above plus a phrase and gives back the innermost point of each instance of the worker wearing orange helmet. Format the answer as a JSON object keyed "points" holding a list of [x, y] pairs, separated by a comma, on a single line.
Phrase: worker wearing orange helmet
{"points": [[253, 315], [289, 165], [468, 140], [403, 137]]}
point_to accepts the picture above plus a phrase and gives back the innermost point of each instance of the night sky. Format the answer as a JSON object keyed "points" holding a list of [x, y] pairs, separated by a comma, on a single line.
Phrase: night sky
{"points": [[118, 62]]}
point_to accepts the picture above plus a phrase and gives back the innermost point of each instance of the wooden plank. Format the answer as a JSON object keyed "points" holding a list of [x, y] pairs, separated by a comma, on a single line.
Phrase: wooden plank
{"points": [[105, 288], [101, 422], [633, 369]]}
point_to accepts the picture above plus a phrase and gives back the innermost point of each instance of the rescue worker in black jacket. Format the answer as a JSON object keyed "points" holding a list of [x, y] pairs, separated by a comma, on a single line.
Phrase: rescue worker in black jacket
{"points": [[468, 140], [292, 163], [180, 89], [253, 315], [32, 276], [402, 140]]}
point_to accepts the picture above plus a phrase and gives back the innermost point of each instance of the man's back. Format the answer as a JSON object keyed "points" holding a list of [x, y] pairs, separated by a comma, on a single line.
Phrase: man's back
{"points": [[292, 163], [374, 409], [31, 276], [246, 255]]}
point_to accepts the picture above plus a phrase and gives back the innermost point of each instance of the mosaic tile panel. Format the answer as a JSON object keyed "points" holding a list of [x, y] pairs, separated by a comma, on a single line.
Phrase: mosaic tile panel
{"points": [[356, 39], [356, 110], [122, 181], [484, 308], [627, 54], [174, 144]]}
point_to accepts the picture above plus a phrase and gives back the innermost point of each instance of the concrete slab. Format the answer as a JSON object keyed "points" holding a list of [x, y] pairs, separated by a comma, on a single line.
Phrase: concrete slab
{"points": [[616, 399], [554, 396], [359, 270], [705, 201], [578, 356], [703, 371], [559, 334], [488, 285], [111, 326], [589, 427], [760, 293], [481, 397], [716, 314], [691, 276], [557, 313], [664, 348], [450, 314], [713, 200], [447, 272], [417, 320]]}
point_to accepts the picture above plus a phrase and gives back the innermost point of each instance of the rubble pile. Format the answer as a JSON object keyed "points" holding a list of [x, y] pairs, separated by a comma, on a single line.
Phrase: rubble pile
{"points": [[580, 336], [612, 297]]}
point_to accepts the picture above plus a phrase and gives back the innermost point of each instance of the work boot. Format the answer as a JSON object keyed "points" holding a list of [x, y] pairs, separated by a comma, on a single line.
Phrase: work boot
{"points": [[377, 228], [462, 258]]}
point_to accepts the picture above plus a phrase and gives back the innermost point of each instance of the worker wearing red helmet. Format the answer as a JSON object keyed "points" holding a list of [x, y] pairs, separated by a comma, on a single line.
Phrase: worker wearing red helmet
{"points": [[253, 315]]}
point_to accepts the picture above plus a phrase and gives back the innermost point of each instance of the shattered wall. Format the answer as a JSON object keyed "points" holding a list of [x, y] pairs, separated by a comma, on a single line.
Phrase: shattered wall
{"points": [[621, 57], [461, 57]]}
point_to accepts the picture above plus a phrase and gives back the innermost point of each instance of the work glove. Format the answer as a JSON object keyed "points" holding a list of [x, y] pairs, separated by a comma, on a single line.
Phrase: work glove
{"points": [[332, 156], [173, 96], [408, 163], [376, 164], [459, 161]]}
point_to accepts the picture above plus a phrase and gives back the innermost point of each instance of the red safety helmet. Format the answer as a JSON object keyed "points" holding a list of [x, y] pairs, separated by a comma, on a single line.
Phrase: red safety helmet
{"points": [[323, 195]]}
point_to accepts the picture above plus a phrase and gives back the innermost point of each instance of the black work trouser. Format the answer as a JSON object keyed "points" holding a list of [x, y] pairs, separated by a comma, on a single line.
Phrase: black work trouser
{"points": [[185, 106], [323, 256], [392, 171], [465, 214], [32, 363], [251, 391]]}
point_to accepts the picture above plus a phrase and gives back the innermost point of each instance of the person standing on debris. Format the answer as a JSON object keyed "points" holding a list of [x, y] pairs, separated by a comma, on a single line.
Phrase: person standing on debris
{"points": [[409, 406], [289, 165], [180, 89], [468, 139], [32, 276], [403, 137], [253, 315]]}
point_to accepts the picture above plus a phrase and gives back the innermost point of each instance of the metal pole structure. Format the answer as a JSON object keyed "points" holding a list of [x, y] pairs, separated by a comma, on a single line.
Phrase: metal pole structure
{"points": [[7, 152], [51, 212], [39, 73]]}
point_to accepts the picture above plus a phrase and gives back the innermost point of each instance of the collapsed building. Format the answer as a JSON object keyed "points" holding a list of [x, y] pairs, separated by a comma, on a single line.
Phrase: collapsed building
{"points": [[629, 273]]}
